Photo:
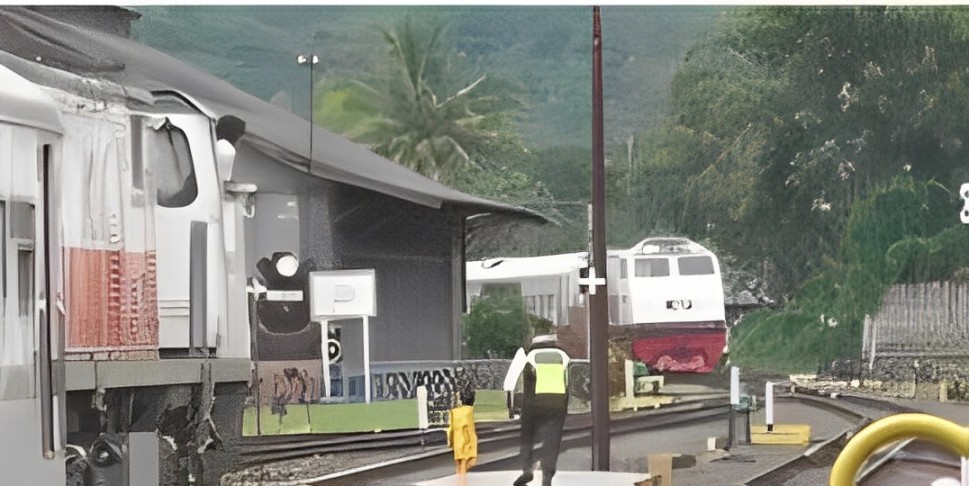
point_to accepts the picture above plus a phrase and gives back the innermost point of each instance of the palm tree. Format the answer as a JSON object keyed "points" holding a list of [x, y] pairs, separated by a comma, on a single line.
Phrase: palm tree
{"points": [[429, 110]]}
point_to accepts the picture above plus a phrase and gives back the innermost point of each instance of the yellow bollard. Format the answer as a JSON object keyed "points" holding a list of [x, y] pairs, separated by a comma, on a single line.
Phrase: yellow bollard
{"points": [[883, 432]]}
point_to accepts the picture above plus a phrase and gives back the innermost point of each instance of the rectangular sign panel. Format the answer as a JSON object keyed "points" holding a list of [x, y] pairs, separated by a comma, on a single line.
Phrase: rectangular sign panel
{"points": [[343, 293]]}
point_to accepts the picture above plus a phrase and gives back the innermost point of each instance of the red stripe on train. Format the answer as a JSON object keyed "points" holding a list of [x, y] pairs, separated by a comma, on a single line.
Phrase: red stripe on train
{"points": [[112, 300], [685, 353]]}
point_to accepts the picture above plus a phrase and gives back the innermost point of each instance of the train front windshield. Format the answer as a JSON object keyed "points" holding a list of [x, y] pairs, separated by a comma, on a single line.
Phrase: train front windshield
{"points": [[652, 267], [695, 265]]}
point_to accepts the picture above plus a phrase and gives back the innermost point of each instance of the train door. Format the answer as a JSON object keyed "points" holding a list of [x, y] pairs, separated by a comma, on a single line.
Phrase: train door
{"points": [[31, 381], [188, 231]]}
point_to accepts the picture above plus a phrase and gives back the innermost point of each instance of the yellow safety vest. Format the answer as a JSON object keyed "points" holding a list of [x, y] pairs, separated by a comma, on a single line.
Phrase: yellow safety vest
{"points": [[550, 378]]}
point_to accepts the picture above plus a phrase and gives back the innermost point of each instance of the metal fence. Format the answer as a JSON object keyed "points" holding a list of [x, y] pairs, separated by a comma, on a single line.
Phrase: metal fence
{"points": [[922, 320]]}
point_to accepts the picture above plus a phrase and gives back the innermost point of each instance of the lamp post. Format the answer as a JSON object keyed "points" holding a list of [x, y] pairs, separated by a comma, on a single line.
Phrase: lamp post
{"points": [[311, 60]]}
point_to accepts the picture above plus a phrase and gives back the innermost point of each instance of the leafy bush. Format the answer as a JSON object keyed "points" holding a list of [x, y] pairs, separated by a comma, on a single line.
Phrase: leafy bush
{"points": [[897, 234], [497, 324], [539, 325]]}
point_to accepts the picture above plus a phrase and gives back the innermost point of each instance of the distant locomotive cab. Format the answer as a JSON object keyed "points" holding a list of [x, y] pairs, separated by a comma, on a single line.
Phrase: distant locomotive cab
{"points": [[665, 298], [669, 292]]}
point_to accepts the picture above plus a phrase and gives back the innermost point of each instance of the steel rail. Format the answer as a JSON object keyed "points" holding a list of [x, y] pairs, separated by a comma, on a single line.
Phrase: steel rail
{"points": [[854, 407], [495, 449], [264, 449]]}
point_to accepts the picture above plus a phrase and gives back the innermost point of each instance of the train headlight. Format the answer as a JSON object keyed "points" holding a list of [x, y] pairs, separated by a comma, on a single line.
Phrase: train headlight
{"points": [[287, 264], [685, 304]]}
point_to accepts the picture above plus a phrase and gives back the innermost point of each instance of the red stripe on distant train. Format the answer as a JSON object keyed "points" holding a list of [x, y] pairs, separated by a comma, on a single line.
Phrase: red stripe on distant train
{"points": [[688, 352]]}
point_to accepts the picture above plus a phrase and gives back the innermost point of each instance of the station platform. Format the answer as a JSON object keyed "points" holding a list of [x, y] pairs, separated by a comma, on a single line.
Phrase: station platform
{"points": [[562, 478]]}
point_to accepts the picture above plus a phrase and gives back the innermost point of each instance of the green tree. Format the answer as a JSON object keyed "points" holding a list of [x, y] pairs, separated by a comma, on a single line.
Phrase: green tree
{"points": [[790, 115], [430, 109], [497, 324]]}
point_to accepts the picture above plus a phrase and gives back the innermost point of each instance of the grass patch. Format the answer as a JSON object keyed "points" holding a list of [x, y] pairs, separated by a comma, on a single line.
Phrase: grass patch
{"points": [[333, 418], [490, 406], [336, 418]]}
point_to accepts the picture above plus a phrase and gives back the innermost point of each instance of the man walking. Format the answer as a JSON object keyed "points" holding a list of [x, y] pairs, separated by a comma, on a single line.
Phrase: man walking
{"points": [[546, 399]]}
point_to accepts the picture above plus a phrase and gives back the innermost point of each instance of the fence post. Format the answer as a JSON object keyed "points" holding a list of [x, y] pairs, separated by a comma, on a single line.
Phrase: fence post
{"points": [[422, 420], [769, 405], [734, 403]]}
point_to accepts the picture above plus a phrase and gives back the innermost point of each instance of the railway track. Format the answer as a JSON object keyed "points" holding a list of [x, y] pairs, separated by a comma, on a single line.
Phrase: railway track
{"points": [[420, 452], [860, 410], [911, 461], [257, 450], [495, 449]]}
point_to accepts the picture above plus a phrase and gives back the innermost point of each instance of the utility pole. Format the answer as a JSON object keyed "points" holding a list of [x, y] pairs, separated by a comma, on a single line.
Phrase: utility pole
{"points": [[312, 60], [598, 294]]}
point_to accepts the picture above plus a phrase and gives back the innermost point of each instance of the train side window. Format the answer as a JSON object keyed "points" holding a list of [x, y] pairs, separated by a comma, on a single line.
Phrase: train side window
{"points": [[530, 304], [652, 267], [25, 283], [3, 258], [170, 160], [623, 273], [16, 329], [695, 265]]}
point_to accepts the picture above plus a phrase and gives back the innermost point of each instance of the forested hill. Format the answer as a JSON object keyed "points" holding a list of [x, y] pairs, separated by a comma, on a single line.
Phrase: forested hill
{"points": [[544, 52]]}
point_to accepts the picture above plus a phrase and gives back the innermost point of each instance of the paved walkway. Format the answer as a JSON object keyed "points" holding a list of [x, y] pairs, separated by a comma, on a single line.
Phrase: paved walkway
{"points": [[562, 478]]}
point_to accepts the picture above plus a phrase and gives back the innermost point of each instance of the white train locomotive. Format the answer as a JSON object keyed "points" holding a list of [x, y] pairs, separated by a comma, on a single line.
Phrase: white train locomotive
{"points": [[665, 298], [31, 133], [114, 228]]}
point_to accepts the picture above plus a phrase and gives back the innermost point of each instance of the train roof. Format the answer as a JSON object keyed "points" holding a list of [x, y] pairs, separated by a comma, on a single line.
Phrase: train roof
{"points": [[668, 246], [496, 269], [25, 104]]}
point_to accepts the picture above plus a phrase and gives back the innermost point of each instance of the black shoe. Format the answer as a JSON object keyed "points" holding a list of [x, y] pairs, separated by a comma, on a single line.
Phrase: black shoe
{"points": [[547, 477], [524, 479]]}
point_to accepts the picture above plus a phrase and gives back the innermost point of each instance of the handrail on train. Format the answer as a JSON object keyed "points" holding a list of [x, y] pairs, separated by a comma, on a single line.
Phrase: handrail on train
{"points": [[880, 433]]}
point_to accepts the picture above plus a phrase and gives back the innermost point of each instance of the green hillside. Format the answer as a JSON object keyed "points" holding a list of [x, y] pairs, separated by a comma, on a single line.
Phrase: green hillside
{"points": [[544, 51]]}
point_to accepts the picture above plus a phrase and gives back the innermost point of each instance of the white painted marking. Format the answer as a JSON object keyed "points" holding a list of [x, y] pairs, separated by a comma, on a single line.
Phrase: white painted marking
{"points": [[592, 282]]}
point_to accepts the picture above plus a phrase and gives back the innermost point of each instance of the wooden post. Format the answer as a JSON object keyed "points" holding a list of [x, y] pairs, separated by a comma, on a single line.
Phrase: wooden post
{"points": [[660, 467], [598, 298]]}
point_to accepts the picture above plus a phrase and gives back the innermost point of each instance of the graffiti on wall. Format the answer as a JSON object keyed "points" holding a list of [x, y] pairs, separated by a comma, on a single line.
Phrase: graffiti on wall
{"points": [[442, 383], [480, 374], [289, 382]]}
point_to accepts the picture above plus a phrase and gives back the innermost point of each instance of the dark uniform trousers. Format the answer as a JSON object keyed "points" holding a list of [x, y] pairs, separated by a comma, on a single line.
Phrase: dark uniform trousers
{"points": [[542, 420]]}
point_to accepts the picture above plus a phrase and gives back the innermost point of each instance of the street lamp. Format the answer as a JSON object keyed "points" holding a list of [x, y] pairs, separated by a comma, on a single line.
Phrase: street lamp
{"points": [[311, 60]]}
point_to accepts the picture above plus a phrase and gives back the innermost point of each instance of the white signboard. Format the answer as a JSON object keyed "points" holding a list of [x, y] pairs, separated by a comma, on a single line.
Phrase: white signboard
{"points": [[343, 293]]}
